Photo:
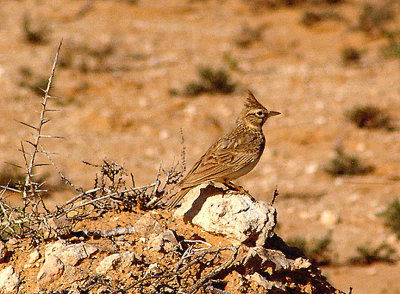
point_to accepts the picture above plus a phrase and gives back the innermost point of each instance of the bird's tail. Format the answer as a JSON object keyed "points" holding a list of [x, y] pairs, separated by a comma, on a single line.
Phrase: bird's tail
{"points": [[176, 199]]}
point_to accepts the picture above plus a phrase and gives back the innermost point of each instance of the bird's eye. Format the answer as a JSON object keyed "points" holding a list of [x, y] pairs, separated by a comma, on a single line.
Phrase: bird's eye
{"points": [[259, 113]]}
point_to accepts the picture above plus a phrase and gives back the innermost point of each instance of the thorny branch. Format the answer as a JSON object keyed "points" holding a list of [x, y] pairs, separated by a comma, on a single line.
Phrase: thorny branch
{"points": [[28, 220], [42, 121]]}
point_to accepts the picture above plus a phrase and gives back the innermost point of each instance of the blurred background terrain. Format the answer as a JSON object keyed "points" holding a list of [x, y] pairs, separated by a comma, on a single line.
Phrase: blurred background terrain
{"points": [[132, 74]]}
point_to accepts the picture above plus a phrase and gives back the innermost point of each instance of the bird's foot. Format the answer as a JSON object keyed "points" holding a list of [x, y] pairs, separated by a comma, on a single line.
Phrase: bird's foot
{"points": [[239, 190]]}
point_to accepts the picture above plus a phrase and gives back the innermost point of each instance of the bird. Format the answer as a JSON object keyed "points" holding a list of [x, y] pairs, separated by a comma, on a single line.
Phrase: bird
{"points": [[231, 156]]}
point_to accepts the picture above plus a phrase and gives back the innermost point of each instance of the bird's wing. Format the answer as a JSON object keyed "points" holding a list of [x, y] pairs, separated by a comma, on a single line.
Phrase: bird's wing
{"points": [[222, 159]]}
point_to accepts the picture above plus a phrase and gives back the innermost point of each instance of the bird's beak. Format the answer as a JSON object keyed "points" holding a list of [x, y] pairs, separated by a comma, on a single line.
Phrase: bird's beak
{"points": [[273, 113]]}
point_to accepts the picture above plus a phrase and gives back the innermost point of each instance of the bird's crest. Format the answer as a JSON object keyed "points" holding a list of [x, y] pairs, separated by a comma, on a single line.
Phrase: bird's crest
{"points": [[251, 101]]}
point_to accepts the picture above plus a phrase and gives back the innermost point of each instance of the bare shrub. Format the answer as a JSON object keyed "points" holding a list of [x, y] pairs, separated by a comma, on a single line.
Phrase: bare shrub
{"points": [[392, 216], [369, 116], [210, 81], [373, 18], [368, 254], [345, 164]]}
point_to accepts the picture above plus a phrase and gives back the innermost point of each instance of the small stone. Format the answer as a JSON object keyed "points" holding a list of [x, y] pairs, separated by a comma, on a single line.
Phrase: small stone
{"points": [[72, 254], [3, 251], [108, 263], [72, 274], [147, 226], [116, 261], [129, 258], [311, 168], [268, 285], [33, 257], [328, 218], [52, 248], [165, 242], [12, 241], [51, 271], [308, 289], [58, 227], [265, 260], [262, 281], [8, 280], [154, 269], [300, 263]]}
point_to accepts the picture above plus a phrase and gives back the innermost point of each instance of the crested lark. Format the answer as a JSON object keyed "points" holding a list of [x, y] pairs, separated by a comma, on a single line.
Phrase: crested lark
{"points": [[233, 155]]}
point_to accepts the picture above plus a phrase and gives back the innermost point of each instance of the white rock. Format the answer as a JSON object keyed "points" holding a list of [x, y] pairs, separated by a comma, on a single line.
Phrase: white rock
{"points": [[328, 218], [8, 280], [154, 269], [12, 241], [311, 168], [262, 281], [72, 254], [300, 263], [52, 248], [51, 270], [233, 215], [69, 254], [108, 263], [268, 285]]}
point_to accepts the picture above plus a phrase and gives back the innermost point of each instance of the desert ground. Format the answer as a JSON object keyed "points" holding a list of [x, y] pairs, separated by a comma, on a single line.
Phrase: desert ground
{"points": [[120, 88]]}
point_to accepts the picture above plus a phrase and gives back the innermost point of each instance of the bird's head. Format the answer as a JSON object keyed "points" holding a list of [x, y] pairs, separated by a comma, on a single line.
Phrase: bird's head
{"points": [[254, 114]]}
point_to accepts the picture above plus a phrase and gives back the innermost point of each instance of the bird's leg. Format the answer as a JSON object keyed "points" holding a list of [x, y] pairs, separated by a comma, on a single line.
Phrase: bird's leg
{"points": [[239, 189]]}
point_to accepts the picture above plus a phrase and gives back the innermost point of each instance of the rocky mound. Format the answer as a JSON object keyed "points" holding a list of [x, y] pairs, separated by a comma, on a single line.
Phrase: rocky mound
{"points": [[217, 242]]}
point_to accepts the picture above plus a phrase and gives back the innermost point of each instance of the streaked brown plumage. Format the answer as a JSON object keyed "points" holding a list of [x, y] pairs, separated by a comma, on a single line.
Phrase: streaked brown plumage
{"points": [[233, 155]]}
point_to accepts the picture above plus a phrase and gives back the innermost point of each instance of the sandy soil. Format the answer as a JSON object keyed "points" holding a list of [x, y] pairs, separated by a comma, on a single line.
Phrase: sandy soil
{"points": [[119, 106]]}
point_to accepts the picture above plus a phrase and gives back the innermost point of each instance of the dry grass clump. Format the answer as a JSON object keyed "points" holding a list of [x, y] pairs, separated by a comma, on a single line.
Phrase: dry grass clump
{"points": [[210, 81], [369, 116], [392, 216], [317, 250], [100, 57], [248, 35], [311, 18], [345, 164], [368, 254], [351, 55], [34, 33], [373, 18], [32, 81], [392, 49], [289, 3]]}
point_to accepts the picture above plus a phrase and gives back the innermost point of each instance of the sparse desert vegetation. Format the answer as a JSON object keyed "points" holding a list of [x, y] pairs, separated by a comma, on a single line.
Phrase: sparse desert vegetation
{"points": [[346, 164], [369, 116], [392, 216], [210, 81], [118, 63]]}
